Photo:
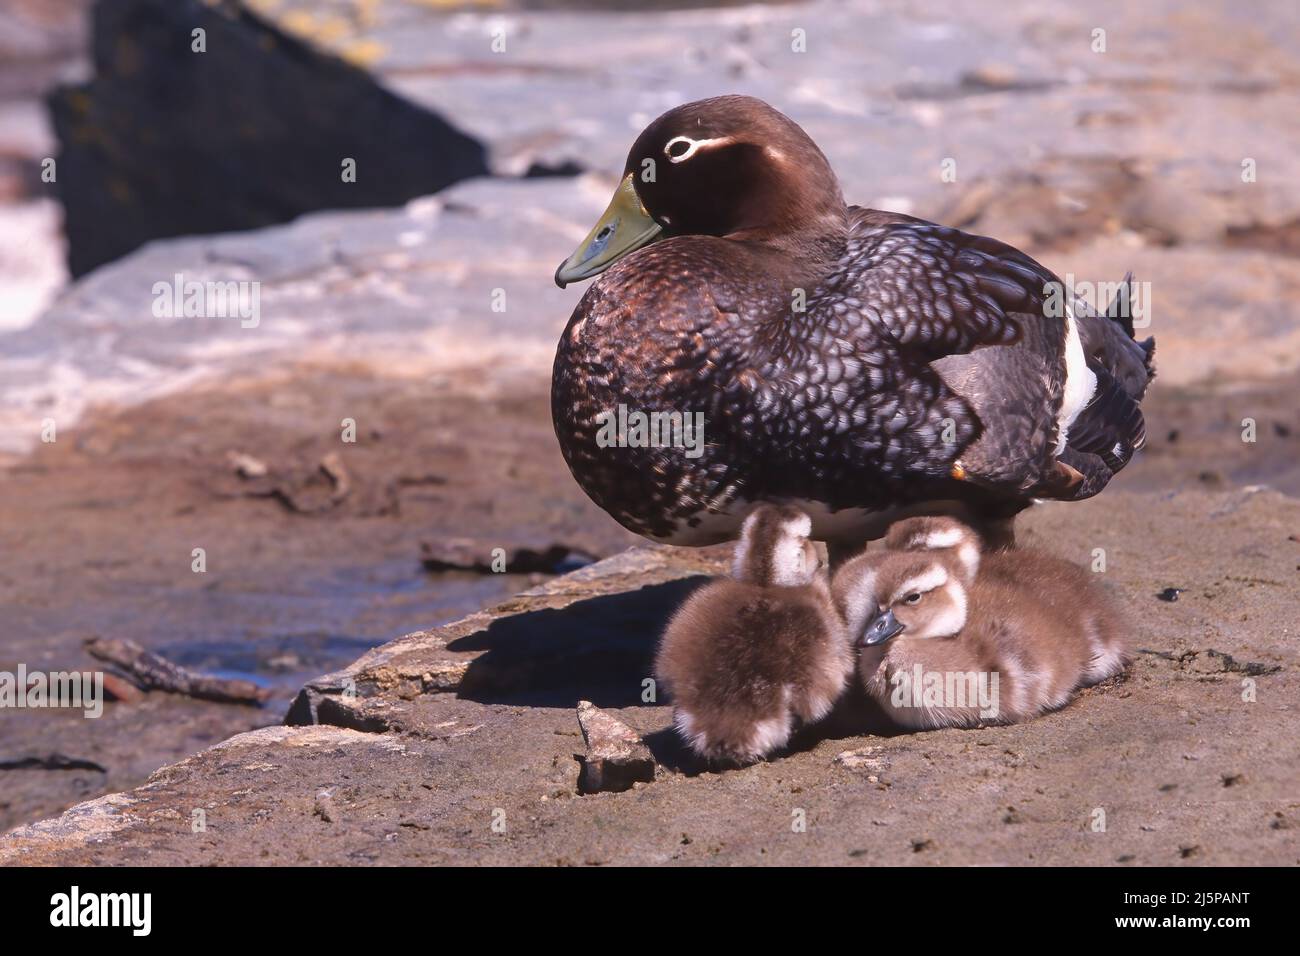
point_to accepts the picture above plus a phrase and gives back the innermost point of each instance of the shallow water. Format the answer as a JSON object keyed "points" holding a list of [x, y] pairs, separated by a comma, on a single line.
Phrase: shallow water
{"points": [[283, 638]]}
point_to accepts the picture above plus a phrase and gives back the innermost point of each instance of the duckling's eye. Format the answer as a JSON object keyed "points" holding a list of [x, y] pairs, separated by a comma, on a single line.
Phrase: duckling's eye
{"points": [[913, 598]]}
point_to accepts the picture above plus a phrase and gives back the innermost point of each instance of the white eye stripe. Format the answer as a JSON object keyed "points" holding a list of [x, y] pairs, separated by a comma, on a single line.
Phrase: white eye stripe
{"points": [[943, 539], [692, 146], [924, 583]]}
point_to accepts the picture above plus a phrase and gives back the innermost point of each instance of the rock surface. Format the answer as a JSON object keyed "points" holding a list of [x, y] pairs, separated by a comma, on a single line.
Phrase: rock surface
{"points": [[592, 629], [1174, 756]]}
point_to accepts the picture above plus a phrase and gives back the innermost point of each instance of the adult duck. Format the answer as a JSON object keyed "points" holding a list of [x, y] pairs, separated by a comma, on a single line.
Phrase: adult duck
{"points": [[857, 364]]}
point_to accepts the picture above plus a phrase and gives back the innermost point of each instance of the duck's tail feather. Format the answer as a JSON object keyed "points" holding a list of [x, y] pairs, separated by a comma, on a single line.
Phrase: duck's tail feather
{"points": [[1109, 340], [1100, 442], [1121, 306]]}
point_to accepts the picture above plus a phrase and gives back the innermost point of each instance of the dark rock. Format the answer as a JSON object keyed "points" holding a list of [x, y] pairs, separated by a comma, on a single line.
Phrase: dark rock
{"points": [[1170, 594], [166, 142], [1217, 662]]}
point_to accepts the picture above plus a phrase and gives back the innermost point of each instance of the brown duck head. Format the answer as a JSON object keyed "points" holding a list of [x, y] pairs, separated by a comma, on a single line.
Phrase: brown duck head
{"points": [[728, 166]]}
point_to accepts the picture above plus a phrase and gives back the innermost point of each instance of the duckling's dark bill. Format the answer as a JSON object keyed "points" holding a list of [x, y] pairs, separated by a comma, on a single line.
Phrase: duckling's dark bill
{"points": [[882, 629], [625, 226]]}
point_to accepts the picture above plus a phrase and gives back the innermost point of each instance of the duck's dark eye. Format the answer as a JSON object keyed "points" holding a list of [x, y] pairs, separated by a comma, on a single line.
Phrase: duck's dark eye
{"points": [[678, 148], [913, 598]]}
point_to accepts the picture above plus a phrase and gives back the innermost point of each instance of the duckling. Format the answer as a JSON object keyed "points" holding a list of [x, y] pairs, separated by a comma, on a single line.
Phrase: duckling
{"points": [[941, 533], [1066, 591], [861, 364], [936, 652], [749, 657]]}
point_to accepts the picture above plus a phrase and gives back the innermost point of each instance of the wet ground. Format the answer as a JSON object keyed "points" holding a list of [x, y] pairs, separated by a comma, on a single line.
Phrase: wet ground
{"points": [[97, 532]]}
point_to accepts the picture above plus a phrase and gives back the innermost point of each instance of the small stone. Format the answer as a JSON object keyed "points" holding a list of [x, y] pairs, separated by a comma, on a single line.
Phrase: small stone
{"points": [[1170, 594], [867, 758], [991, 76], [616, 755], [246, 466], [324, 806], [331, 467]]}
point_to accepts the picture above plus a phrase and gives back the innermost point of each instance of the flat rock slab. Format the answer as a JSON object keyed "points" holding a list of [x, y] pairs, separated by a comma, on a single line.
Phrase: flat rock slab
{"points": [[590, 634], [1191, 758]]}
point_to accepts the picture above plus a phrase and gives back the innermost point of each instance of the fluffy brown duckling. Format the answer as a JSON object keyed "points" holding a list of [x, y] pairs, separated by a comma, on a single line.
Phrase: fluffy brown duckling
{"points": [[1066, 591], [748, 658], [941, 650]]}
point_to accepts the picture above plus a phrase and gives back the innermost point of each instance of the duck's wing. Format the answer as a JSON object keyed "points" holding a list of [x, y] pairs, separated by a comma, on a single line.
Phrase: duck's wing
{"points": [[994, 325], [938, 291], [977, 316]]}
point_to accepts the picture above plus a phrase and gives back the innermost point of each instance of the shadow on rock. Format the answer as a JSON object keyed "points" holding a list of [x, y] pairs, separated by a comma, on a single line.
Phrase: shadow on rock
{"points": [[600, 649]]}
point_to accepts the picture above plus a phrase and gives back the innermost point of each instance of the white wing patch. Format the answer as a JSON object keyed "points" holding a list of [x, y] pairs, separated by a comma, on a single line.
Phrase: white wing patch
{"points": [[1080, 381]]}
